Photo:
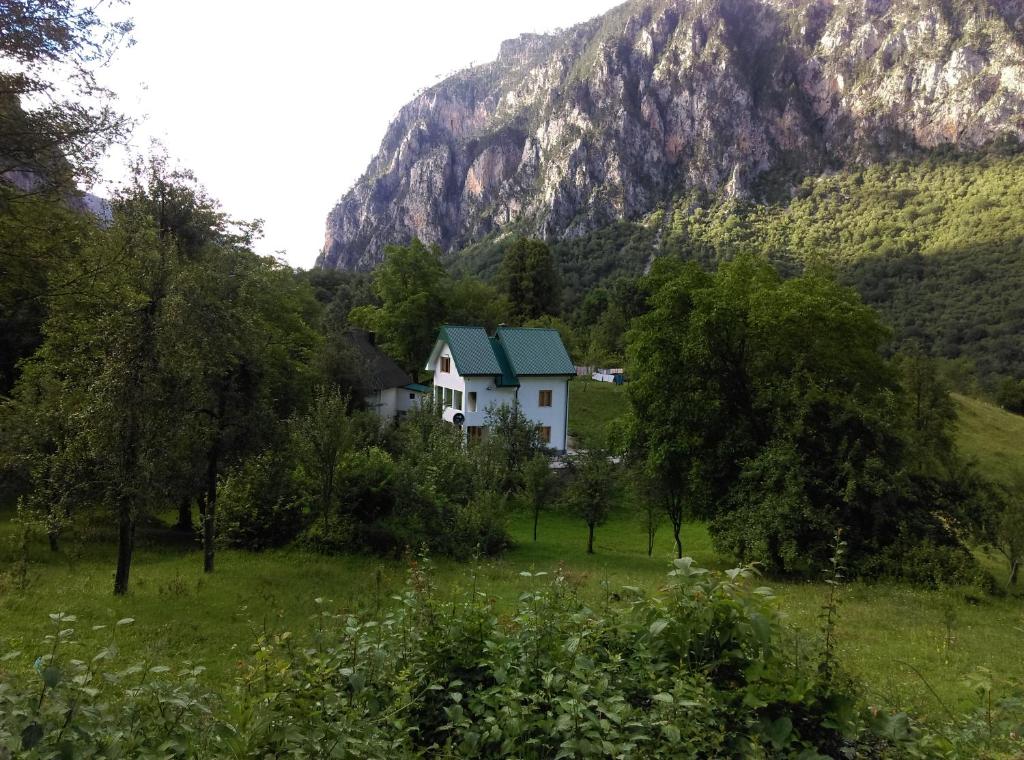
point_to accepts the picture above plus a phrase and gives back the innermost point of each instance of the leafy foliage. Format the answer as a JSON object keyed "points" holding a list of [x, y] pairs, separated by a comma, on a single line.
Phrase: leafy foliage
{"points": [[263, 503], [705, 669], [529, 278], [767, 406], [409, 284], [416, 296], [66, 127]]}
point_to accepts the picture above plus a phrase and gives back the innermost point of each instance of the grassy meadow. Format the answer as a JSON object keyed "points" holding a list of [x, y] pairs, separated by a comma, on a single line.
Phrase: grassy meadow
{"points": [[910, 647]]}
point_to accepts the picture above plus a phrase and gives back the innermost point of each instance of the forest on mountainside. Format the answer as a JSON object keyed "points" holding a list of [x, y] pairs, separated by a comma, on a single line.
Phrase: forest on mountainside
{"points": [[935, 244]]}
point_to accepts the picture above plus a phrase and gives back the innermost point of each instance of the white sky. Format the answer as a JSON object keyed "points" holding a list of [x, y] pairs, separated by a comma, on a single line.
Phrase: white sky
{"points": [[278, 107]]}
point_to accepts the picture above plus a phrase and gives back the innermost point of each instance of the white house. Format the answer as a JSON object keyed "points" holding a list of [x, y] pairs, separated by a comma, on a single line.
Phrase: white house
{"points": [[474, 372], [389, 390]]}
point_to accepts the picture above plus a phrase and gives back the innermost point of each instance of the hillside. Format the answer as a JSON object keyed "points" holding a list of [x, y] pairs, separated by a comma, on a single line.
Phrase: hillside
{"points": [[992, 437], [936, 245], [659, 100]]}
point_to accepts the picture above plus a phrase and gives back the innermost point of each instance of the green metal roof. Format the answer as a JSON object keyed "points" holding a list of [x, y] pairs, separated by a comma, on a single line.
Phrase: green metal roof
{"points": [[418, 387], [535, 351], [471, 350], [507, 378]]}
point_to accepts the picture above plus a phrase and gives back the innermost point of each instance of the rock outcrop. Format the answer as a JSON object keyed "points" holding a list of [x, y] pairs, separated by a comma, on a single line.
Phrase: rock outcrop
{"points": [[564, 133]]}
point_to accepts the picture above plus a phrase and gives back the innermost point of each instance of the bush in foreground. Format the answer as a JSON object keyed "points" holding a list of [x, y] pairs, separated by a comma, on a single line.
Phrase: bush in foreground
{"points": [[703, 670]]}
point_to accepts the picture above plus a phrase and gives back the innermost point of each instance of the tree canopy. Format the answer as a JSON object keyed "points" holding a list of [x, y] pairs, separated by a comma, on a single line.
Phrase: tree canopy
{"points": [[766, 406]]}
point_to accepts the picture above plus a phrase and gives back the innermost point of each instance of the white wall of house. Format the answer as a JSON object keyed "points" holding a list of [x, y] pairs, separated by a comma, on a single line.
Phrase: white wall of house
{"points": [[488, 396], [553, 416], [391, 402], [407, 400], [383, 402], [450, 380]]}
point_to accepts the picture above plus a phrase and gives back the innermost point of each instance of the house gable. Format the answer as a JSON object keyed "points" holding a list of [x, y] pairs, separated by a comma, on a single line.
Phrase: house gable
{"points": [[470, 350]]}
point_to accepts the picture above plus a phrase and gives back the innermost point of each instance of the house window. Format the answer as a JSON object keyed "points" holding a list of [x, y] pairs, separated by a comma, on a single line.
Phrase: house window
{"points": [[545, 435], [458, 400], [474, 433], [447, 396], [446, 364], [438, 393], [412, 396], [545, 398], [471, 401]]}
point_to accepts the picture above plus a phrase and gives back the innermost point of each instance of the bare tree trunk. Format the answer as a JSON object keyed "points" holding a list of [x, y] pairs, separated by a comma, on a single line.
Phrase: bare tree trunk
{"points": [[590, 539], [536, 519], [1014, 568], [185, 515], [52, 534], [210, 513], [674, 508], [208, 535], [125, 548]]}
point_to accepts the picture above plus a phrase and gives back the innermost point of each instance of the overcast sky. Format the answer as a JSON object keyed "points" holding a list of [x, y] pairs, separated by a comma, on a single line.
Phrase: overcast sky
{"points": [[278, 107]]}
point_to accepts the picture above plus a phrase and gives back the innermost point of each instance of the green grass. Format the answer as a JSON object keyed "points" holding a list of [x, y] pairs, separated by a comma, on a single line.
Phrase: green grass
{"points": [[891, 637], [991, 436], [593, 409]]}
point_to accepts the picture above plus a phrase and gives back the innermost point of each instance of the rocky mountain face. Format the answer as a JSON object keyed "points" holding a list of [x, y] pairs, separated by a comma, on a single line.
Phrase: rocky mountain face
{"points": [[564, 133]]}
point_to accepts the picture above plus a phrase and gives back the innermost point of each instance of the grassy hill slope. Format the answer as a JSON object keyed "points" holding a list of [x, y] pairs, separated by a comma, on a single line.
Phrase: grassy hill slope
{"points": [[991, 436]]}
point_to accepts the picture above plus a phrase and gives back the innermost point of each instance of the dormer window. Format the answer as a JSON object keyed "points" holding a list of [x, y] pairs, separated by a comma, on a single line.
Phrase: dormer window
{"points": [[446, 364]]}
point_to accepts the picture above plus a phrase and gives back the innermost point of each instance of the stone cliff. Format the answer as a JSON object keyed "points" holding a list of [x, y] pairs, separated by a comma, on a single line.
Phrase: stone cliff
{"points": [[564, 133]]}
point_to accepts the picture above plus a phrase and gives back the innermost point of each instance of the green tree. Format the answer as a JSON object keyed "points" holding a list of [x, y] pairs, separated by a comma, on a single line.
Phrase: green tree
{"points": [[1011, 395], [515, 439], [239, 342], [63, 130], [766, 405], [322, 436], [529, 277], [171, 356], [102, 366], [667, 396], [1001, 521], [591, 492], [410, 285], [39, 235], [473, 302], [930, 413], [538, 487]]}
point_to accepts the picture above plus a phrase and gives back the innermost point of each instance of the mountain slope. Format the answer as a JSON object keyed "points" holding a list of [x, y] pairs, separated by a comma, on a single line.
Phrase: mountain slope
{"points": [[658, 99]]}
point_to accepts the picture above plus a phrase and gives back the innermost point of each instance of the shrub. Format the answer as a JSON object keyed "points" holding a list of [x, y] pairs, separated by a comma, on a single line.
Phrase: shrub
{"points": [[479, 527], [261, 503], [928, 564]]}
